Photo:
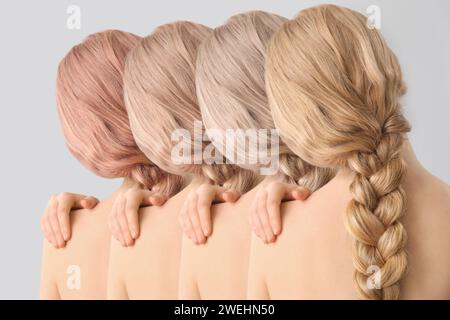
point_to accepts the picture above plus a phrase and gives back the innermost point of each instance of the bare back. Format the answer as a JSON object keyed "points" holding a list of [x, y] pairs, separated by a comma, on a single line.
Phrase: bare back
{"points": [[79, 271], [312, 257], [218, 269], [149, 269]]}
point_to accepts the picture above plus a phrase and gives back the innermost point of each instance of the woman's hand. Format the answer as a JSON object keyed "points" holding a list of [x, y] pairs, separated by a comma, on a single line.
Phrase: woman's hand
{"points": [[124, 220], [265, 216], [195, 215], [55, 223]]}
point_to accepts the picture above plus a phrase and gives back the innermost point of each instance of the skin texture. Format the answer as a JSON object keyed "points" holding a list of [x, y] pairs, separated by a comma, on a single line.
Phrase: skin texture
{"points": [[218, 268], [88, 249], [149, 269], [312, 257]]}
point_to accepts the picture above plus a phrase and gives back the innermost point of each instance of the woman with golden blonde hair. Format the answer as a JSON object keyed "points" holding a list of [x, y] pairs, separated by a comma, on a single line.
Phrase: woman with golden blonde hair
{"points": [[334, 88]]}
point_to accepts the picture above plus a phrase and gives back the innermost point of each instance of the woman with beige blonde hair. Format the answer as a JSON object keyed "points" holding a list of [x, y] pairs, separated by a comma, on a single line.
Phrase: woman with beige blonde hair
{"points": [[159, 89], [334, 88]]}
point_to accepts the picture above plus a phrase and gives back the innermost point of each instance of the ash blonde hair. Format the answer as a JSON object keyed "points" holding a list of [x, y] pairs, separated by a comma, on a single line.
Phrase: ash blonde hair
{"points": [[334, 87], [93, 114], [160, 98], [231, 88]]}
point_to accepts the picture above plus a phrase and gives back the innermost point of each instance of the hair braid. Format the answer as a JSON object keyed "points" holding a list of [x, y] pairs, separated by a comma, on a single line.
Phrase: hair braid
{"points": [[334, 88], [373, 215]]}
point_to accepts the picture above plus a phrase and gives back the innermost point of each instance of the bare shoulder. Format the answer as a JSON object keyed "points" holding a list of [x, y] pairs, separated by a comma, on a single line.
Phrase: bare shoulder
{"points": [[429, 201], [89, 224], [427, 222]]}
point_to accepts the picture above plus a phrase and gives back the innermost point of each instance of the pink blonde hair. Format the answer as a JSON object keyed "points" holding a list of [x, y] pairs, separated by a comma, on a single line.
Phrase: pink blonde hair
{"points": [[93, 114]]}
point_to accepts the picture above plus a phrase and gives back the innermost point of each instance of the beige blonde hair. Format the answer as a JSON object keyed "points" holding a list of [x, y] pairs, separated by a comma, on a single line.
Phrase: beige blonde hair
{"points": [[159, 85], [334, 87], [231, 88]]}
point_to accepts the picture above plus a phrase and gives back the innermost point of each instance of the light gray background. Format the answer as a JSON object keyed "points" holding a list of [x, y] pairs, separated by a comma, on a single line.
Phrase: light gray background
{"points": [[35, 162]]}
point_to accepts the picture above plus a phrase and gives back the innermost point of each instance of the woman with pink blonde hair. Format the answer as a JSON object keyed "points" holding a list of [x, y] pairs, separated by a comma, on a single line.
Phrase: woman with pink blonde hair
{"points": [[97, 132]]}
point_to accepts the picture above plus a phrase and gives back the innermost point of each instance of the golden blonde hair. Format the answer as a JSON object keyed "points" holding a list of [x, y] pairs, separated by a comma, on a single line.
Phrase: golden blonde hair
{"points": [[159, 85], [230, 81], [334, 87]]}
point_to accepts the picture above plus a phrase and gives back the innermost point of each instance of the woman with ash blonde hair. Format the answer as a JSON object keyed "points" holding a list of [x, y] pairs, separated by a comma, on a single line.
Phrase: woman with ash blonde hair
{"points": [[95, 125], [230, 80], [334, 88]]}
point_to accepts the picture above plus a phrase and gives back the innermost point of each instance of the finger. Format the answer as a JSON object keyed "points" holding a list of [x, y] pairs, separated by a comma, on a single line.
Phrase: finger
{"points": [[297, 193], [150, 198], [156, 200], [226, 195], [195, 220], [275, 195], [48, 233], [205, 198], [114, 225], [54, 224], [186, 222], [89, 202], [255, 222], [133, 202], [63, 215], [76, 201], [264, 217], [123, 223], [117, 232], [46, 229]]}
